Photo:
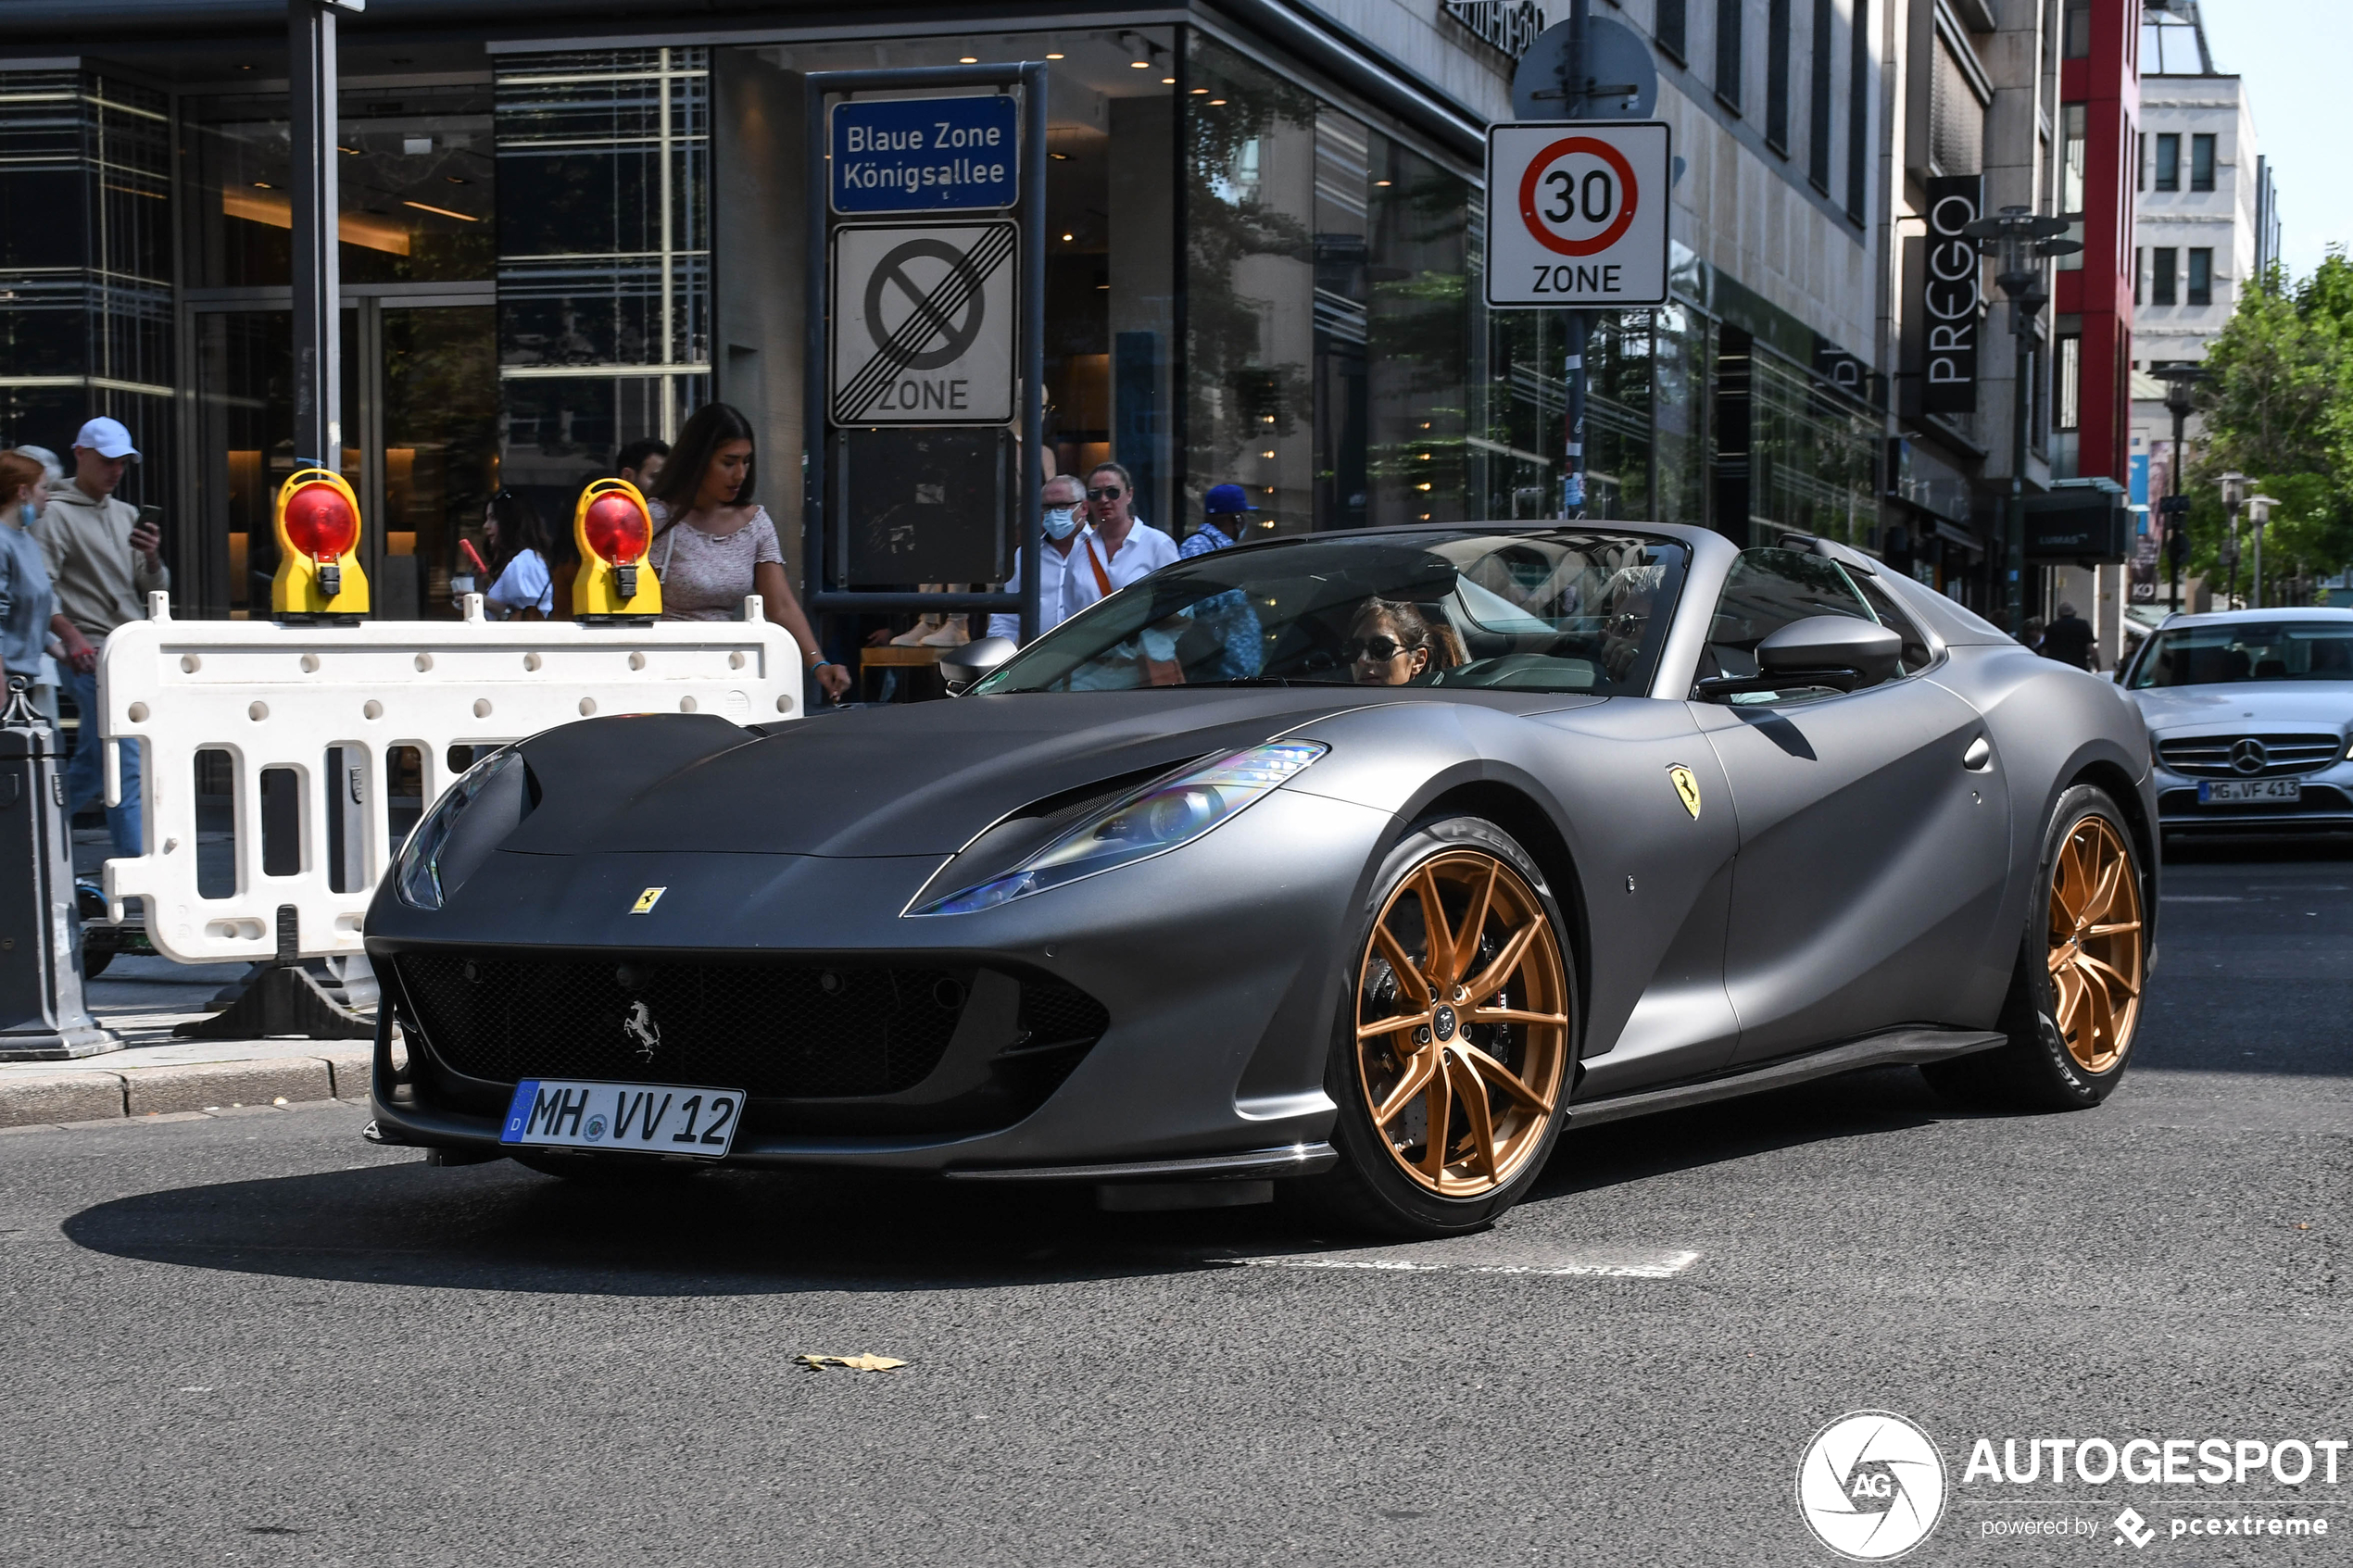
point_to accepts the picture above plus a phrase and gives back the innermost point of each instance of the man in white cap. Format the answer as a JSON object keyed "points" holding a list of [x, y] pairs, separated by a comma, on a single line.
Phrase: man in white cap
{"points": [[103, 562]]}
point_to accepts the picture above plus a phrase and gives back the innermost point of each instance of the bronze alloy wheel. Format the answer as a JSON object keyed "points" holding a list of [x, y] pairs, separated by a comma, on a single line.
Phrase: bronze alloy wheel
{"points": [[1461, 1023], [2095, 947]]}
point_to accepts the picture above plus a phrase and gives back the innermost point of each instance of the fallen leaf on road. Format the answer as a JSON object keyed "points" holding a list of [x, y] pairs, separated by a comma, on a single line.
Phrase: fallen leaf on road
{"points": [[868, 1363]]}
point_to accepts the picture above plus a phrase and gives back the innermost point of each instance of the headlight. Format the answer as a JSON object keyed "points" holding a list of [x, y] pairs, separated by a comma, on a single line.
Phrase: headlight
{"points": [[1151, 821], [437, 858]]}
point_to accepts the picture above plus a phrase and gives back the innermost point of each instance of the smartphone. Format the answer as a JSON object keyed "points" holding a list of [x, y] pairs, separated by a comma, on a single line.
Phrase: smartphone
{"points": [[151, 516]]}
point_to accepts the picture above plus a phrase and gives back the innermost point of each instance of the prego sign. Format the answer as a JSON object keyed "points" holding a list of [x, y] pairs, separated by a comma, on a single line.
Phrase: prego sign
{"points": [[1952, 297]]}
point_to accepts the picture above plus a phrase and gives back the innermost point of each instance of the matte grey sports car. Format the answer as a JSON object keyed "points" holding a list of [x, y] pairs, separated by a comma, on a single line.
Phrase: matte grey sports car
{"points": [[1348, 868]]}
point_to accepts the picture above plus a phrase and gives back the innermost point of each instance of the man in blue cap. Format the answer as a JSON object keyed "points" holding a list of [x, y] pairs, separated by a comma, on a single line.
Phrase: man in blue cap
{"points": [[1226, 512]]}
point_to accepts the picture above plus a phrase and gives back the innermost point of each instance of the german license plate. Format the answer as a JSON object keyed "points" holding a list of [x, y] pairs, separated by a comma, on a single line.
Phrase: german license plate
{"points": [[2248, 792], [636, 1118]]}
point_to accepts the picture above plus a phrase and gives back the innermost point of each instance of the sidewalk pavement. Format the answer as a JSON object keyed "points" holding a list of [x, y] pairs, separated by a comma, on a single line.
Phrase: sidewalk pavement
{"points": [[155, 1077]]}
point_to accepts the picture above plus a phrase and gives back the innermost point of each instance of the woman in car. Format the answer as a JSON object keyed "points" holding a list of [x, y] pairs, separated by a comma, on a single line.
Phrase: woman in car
{"points": [[1389, 644]]}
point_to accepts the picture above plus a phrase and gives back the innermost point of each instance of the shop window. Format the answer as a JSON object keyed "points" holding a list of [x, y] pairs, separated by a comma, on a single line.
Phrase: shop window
{"points": [[86, 267], [1813, 453], [2163, 259], [2201, 278], [2201, 162], [2169, 160], [604, 258], [1817, 99]]}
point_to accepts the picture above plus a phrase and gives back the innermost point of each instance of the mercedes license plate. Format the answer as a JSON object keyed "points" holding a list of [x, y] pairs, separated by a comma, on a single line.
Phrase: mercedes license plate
{"points": [[637, 1118], [2245, 792]]}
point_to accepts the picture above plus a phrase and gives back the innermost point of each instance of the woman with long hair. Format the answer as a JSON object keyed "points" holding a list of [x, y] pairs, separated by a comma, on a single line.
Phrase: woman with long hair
{"points": [[26, 597], [713, 545], [521, 588]]}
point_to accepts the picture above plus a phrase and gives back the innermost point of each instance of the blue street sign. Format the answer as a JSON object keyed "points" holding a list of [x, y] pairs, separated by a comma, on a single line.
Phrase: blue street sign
{"points": [[925, 155]]}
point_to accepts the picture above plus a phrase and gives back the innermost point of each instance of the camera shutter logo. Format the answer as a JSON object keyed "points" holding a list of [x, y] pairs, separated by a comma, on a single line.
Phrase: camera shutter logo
{"points": [[1871, 1486]]}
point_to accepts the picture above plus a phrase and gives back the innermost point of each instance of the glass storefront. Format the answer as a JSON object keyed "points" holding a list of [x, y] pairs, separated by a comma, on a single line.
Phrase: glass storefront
{"points": [[548, 253]]}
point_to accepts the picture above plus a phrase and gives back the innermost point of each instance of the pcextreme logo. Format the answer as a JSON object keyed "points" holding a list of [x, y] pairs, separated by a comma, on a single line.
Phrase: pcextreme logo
{"points": [[1871, 1486]]}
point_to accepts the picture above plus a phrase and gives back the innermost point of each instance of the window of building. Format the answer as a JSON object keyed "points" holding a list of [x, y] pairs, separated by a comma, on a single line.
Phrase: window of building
{"points": [[2139, 261], [2201, 162], [2074, 120], [1727, 52], [1777, 43], [1670, 29], [1858, 108], [2076, 30], [2201, 280], [2141, 160], [2163, 259], [2169, 160], [1957, 116], [2068, 376], [1818, 100]]}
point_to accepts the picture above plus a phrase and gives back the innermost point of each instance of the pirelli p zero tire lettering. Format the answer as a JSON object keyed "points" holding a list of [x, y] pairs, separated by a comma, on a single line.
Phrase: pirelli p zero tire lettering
{"points": [[1452, 1053], [2074, 1003]]}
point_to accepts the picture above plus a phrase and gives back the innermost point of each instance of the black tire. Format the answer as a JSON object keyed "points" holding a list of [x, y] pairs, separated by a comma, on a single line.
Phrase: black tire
{"points": [[94, 956], [1370, 1190], [2036, 1070]]}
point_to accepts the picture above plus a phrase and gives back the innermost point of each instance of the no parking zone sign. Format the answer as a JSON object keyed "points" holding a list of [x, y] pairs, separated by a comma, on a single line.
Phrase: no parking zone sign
{"points": [[1577, 214]]}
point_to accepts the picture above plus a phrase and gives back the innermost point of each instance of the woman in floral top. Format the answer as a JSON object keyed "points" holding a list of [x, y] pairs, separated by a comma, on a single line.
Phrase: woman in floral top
{"points": [[713, 545]]}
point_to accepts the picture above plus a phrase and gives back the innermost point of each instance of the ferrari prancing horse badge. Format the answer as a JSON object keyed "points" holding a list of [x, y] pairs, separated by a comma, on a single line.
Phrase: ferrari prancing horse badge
{"points": [[652, 896], [1687, 788]]}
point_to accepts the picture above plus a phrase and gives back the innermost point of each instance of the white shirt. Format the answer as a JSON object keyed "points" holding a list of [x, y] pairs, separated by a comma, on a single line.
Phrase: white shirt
{"points": [[1068, 583], [523, 585]]}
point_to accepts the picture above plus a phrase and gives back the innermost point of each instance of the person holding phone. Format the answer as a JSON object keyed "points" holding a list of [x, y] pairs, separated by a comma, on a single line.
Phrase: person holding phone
{"points": [[104, 558]]}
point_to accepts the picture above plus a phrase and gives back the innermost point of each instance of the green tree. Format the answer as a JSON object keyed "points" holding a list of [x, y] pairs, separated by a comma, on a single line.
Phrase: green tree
{"points": [[2278, 408]]}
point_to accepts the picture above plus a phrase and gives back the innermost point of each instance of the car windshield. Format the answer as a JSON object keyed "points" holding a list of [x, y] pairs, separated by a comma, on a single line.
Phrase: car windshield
{"points": [[2262, 650], [1552, 610]]}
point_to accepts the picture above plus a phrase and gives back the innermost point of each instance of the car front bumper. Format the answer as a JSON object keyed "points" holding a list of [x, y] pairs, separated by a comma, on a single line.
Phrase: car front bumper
{"points": [[1219, 965], [2326, 807]]}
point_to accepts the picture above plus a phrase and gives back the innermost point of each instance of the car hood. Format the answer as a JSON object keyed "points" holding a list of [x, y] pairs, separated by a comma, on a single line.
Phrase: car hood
{"points": [[2248, 704], [917, 779]]}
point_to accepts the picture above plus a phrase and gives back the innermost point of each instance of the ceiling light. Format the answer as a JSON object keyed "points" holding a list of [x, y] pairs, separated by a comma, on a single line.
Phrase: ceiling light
{"points": [[341, 148], [1201, 91], [1139, 64], [263, 185], [442, 212], [1217, 103], [1059, 157], [1267, 453], [969, 60], [1380, 182], [1168, 82], [1053, 56], [1065, 236]]}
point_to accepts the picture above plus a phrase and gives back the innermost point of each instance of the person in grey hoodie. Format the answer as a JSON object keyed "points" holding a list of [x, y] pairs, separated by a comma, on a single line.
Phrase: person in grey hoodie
{"points": [[103, 562]]}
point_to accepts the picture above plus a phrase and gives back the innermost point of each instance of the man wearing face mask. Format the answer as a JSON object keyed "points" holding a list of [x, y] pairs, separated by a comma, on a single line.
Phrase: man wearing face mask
{"points": [[1062, 588]]}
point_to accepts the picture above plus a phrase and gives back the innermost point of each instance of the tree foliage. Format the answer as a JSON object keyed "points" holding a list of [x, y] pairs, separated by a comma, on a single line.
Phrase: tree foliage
{"points": [[2278, 408]]}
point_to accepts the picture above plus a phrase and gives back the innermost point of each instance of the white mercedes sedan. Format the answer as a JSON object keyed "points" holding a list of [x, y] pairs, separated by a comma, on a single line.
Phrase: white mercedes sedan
{"points": [[2250, 721]]}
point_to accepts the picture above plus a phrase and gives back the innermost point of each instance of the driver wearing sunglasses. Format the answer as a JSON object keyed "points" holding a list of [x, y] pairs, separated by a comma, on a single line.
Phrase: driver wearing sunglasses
{"points": [[1388, 644]]}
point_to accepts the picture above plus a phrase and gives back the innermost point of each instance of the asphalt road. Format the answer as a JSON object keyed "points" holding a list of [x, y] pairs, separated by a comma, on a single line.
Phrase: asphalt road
{"points": [[256, 1339]]}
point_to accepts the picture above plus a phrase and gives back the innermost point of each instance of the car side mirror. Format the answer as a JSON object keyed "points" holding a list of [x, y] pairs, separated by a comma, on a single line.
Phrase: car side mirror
{"points": [[961, 667], [1842, 652]]}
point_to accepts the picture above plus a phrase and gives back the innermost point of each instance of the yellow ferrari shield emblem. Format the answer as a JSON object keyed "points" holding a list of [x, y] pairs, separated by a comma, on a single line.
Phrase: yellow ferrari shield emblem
{"points": [[1686, 787], [652, 896]]}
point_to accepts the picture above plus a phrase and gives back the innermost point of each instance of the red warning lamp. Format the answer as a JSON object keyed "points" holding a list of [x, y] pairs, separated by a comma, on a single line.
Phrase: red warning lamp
{"points": [[617, 528], [316, 521], [321, 524]]}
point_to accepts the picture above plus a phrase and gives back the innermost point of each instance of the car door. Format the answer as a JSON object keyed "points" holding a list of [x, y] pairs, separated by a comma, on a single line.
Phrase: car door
{"points": [[1873, 827]]}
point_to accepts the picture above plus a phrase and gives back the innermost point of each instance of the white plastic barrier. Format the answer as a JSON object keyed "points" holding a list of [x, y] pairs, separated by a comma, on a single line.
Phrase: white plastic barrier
{"points": [[278, 697]]}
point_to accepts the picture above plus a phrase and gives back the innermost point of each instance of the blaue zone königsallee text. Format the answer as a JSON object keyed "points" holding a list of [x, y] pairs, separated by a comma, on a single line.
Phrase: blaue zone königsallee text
{"points": [[927, 154]]}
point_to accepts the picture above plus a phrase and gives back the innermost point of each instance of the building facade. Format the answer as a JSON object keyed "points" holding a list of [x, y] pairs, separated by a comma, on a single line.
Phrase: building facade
{"points": [[564, 226]]}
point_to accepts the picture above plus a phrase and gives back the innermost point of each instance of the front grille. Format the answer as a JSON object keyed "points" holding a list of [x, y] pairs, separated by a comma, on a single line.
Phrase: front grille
{"points": [[800, 1032], [2216, 756]]}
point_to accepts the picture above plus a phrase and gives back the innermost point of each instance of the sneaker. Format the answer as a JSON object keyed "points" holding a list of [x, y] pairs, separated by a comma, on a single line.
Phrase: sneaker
{"points": [[914, 635], [952, 633]]}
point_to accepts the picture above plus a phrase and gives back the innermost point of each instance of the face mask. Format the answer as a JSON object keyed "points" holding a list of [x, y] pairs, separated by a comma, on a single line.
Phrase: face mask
{"points": [[1061, 522]]}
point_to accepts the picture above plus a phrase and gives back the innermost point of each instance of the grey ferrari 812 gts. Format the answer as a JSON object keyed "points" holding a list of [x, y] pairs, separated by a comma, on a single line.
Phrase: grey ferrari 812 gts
{"points": [[1347, 869]]}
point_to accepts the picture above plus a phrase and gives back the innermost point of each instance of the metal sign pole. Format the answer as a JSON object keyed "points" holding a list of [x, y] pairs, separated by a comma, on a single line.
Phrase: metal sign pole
{"points": [[1580, 324], [1032, 345], [318, 282]]}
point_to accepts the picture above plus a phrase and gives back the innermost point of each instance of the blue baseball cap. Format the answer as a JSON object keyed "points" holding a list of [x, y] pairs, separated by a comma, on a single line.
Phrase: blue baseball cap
{"points": [[1224, 498]]}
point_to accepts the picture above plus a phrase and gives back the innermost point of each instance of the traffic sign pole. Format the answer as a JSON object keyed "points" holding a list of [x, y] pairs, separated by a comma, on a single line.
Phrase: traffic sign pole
{"points": [[1580, 14]]}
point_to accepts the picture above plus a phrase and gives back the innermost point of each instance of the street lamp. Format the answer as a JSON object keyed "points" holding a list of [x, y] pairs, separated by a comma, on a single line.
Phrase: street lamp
{"points": [[2233, 497], [2023, 241], [2259, 512], [2180, 384]]}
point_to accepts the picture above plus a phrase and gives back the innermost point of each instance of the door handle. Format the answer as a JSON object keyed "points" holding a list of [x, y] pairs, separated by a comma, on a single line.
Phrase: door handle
{"points": [[1980, 755]]}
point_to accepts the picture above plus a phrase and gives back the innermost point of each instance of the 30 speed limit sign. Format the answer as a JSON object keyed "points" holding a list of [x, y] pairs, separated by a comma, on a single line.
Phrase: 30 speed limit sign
{"points": [[1576, 213]]}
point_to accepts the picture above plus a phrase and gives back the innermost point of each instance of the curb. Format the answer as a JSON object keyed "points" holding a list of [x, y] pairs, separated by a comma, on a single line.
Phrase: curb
{"points": [[84, 1094]]}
